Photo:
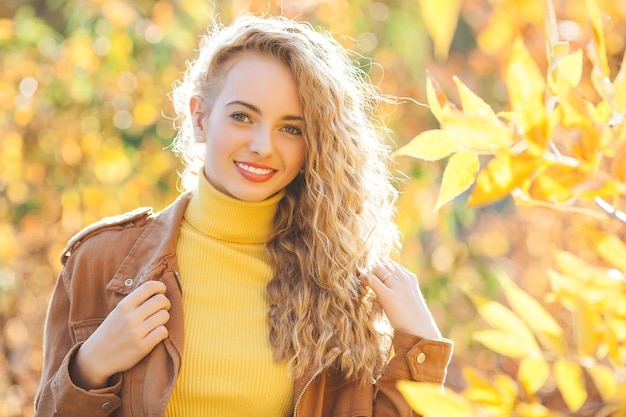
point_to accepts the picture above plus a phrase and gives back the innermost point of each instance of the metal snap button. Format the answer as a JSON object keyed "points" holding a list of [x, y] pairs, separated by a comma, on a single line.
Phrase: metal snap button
{"points": [[128, 282], [106, 406], [421, 358]]}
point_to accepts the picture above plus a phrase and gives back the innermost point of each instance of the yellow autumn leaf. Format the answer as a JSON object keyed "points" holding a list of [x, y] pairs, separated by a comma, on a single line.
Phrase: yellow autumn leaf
{"points": [[598, 47], [552, 30], [569, 71], [533, 410], [619, 296], [574, 111], [501, 176], [612, 338], [597, 287], [560, 49], [612, 345], [547, 188], [481, 391], [498, 35], [619, 88], [472, 104], [492, 183], [526, 87], [568, 290], [497, 396], [588, 328], [605, 380], [477, 132], [616, 303], [505, 343], [437, 100], [606, 189], [458, 176], [569, 263], [556, 183], [511, 336], [507, 388], [533, 373], [430, 400], [569, 379], [430, 145], [502, 318], [588, 275], [534, 314], [602, 113], [577, 114], [440, 18], [611, 249], [618, 165]]}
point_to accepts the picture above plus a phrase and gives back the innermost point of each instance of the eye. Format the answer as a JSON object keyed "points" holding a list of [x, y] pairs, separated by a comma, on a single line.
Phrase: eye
{"points": [[240, 117], [292, 130]]}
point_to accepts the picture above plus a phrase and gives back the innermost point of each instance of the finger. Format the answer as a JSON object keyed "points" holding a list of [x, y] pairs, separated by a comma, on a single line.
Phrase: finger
{"points": [[152, 305], [158, 319], [399, 271], [384, 274], [380, 272], [409, 277], [374, 282], [142, 293], [151, 288], [407, 280], [155, 336]]}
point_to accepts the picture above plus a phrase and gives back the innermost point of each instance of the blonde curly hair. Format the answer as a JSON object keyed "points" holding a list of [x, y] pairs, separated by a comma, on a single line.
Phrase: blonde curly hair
{"points": [[335, 221]]}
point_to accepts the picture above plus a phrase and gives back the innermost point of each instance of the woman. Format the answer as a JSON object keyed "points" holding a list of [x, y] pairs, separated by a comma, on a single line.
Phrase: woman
{"points": [[262, 289]]}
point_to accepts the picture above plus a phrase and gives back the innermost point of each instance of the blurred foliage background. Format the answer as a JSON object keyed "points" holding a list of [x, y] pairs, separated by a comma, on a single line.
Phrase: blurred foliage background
{"points": [[85, 123]]}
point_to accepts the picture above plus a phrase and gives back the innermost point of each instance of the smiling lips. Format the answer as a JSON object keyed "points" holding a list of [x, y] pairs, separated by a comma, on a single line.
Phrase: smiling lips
{"points": [[254, 172]]}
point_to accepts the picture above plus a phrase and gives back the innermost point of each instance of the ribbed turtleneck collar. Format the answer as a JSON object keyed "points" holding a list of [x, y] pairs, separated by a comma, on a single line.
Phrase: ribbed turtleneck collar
{"points": [[226, 218]]}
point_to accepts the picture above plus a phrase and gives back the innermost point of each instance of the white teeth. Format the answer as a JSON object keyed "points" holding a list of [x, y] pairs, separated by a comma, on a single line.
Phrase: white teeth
{"points": [[253, 170]]}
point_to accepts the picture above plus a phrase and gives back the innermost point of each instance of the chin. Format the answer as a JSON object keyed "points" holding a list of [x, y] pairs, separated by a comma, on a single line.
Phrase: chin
{"points": [[252, 197]]}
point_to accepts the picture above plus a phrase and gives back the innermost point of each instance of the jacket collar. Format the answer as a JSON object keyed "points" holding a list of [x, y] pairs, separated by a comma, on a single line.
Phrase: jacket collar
{"points": [[148, 253]]}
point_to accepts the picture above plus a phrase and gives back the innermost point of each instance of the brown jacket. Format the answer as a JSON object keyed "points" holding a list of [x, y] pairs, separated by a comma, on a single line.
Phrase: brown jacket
{"points": [[108, 260]]}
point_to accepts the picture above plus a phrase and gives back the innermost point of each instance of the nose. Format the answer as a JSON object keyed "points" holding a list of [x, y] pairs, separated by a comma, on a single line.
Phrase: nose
{"points": [[261, 142]]}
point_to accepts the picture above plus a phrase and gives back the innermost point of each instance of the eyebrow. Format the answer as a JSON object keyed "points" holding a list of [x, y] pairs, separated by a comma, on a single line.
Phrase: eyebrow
{"points": [[259, 112]]}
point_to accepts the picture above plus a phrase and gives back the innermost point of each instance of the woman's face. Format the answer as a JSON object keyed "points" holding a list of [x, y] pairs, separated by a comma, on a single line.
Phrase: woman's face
{"points": [[253, 130]]}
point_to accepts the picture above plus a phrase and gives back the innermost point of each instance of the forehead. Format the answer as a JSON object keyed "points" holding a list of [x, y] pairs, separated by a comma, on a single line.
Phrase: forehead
{"points": [[258, 77], [252, 62]]}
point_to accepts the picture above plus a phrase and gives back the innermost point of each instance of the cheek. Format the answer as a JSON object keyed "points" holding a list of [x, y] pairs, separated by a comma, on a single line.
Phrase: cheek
{"points": [[301, 151], [217, 146], [215, 159], [299, 154]]}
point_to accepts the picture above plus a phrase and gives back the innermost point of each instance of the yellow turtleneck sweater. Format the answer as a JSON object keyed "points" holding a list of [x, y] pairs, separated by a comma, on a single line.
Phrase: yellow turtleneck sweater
{"points": [[227, 367]]}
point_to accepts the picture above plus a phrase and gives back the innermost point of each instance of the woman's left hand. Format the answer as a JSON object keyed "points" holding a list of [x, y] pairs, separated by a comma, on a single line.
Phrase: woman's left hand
{"points": [[397, 290]]}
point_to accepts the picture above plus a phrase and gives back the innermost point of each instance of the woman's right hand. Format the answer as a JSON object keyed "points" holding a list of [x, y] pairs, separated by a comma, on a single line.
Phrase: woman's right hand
{"points": [[130, 331]]}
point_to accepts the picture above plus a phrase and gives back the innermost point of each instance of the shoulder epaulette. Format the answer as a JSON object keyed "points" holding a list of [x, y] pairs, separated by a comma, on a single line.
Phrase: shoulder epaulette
{"points": [[107, 222]]}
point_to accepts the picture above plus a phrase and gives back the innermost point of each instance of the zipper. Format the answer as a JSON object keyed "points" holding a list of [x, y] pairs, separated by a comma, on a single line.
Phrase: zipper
{"points": [[179, 282], [308, 383]]}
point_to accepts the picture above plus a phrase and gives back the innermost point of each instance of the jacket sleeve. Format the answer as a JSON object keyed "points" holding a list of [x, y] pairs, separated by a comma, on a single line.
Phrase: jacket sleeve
{"points": [[415, 359], [57, 395]]}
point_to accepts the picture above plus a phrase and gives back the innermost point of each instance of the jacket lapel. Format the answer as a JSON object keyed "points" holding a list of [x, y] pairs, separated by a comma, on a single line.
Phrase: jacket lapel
{"points": [[149, 253]]}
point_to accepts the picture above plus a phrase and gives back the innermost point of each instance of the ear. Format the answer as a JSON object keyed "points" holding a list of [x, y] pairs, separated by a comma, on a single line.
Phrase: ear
{"points": [[196, 109]]}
